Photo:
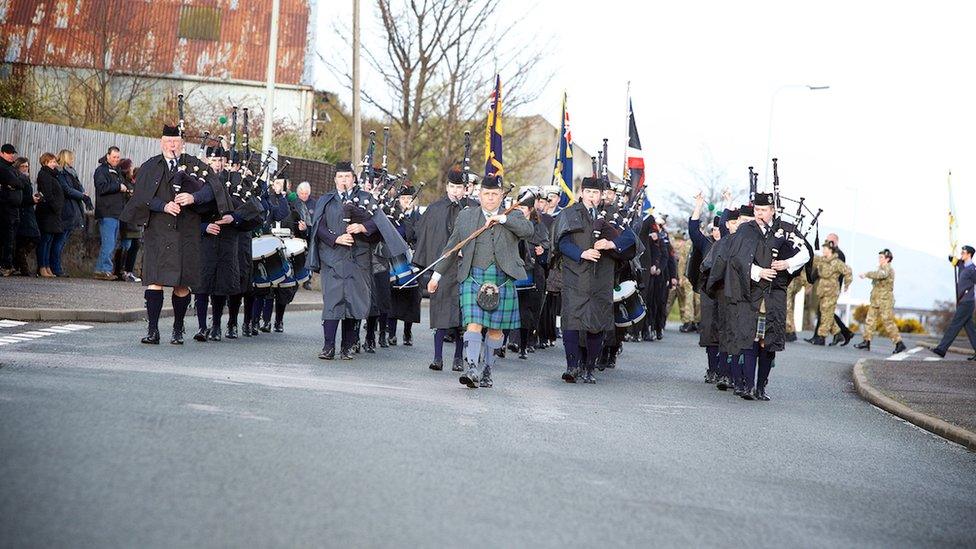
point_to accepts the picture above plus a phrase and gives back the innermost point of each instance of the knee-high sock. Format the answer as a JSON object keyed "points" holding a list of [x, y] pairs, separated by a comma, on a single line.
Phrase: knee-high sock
{"points": [[248, 308], [329, 328], [439, 334], [571, 346], [407, 328], [391, 324], [490, 346], [268, 306], [218, 302], [723, 365], [384, 319], [472, 347], [458, 345], [180, 304], [200, 304], [279, 308], [154, 306], [711, 352], [256, 309], [350, 332], [593, 344], [767, 360], [523, 339], [233, 307], [371, 329]]}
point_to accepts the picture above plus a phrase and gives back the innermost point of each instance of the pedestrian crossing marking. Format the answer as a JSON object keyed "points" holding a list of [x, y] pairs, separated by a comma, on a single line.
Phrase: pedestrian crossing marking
{"points": [[55, 330], [904, 355], [31, 335], [74, 327], [11, 323]]}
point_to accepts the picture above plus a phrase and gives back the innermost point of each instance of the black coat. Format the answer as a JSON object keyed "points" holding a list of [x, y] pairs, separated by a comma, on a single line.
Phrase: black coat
{"points": [[171, 244], [109, 198], [75, 201], [48, 210], [432, 231], [11, 185], [27, 228]]}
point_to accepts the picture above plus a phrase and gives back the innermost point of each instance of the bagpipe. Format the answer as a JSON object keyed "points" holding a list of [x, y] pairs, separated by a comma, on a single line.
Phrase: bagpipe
{"points": [[803, 219], [609, 225]]}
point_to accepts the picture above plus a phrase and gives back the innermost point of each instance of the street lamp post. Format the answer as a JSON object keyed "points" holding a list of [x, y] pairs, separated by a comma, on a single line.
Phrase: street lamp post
{"points": [[769, 130]]}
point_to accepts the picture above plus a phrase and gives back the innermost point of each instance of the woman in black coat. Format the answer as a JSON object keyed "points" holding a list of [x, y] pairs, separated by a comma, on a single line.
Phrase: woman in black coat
{"points": [[27, 234], [48, 212], [76, 201]]}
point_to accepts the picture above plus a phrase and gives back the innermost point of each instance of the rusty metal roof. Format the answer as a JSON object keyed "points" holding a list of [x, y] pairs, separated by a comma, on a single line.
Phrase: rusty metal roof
{"points": [[226, 39]]}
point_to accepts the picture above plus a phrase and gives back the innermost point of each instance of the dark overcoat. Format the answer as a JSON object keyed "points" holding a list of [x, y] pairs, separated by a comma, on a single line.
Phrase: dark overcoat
{"points": [[432, 231], [48, 210]]}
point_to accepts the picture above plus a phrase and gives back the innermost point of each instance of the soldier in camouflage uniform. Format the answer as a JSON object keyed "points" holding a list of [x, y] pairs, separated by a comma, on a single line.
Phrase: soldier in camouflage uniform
{"points": [[829, 268], [797, 285], [882, 303], [683, 292]]}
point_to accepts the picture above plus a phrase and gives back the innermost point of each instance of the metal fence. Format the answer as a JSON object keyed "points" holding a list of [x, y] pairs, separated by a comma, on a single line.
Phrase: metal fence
{"points": [[35, 138]]}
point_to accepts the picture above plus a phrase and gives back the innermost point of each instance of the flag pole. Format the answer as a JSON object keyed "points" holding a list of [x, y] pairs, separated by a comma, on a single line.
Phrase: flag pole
{"points": [[623, 174]]}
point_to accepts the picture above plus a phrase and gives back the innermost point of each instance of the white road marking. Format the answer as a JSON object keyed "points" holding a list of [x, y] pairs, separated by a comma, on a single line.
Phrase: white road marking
{"points": [[904, 355], [11, 323], [31, 335], [74, 327]]}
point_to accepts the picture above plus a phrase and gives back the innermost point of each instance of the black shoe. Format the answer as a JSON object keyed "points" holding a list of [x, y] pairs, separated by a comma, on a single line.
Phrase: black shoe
{"points": [[746, 394], [972, 358], [500, 352], [722, 384], [709, 377], [255, 327], [469, 378], [392, 341], [737, 391], [522, 354], [790, 337], [693, 327], [848, 336], [407, 341], [612, 363], [683, 328], [279, 326], [327, 354], [760, 394], [588, 377], [369, 347], [864, 344], [201, 335], [345, 354], [939, 352], [357, 348], [818, 340], [214, 333], [659, 335], [231, 331], [266, 327], [570, 375], [838, 337], [645, 336], [177, 338], [485, 382], [152, 338], [900, 348], [383, 342], [530, 349], [810, 339], [513, 347], [437, 365], [458, 365]]}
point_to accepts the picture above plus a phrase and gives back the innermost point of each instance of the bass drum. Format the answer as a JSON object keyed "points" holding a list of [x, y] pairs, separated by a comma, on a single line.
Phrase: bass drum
{"points": [[296, 250], [527, 283], [271, 266], [402, 270], [628, 307]]}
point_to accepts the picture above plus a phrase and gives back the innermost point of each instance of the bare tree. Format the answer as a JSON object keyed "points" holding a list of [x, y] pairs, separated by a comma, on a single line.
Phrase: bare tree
{"points": [[712, 181]]}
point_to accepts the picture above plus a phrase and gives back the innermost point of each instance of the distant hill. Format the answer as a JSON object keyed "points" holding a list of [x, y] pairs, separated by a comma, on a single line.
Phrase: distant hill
{"points": [[920, 278]]}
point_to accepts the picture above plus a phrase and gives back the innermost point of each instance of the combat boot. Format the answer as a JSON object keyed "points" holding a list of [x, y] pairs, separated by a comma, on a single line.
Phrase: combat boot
{"points": [[900, 348], [817, 340], [864, 344]]}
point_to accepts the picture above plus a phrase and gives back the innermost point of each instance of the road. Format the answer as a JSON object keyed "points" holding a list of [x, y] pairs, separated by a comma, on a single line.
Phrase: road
{"points": [[109, 443]]}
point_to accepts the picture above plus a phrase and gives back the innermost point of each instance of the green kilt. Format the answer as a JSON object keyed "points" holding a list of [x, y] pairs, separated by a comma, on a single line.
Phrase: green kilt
{"points": [[506, 316]]}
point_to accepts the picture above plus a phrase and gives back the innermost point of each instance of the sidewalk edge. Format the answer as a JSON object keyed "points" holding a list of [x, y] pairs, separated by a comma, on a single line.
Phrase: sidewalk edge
{"points": [[935, 425]]}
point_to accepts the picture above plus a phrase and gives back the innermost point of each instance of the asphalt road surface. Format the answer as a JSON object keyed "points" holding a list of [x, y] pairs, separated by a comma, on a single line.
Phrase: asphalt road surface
{"points": [[109, 443]]}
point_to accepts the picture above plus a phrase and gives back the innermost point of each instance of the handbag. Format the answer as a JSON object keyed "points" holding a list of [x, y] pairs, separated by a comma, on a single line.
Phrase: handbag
{"points": [[488, 297]]}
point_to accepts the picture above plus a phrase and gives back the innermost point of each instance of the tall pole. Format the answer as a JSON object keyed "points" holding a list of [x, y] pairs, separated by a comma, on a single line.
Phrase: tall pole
{"points": [[270, 77], [623, 174], [357, 121]]}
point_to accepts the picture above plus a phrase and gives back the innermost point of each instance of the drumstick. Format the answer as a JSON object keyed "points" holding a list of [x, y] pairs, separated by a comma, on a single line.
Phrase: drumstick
{"points": [[462, 243]]}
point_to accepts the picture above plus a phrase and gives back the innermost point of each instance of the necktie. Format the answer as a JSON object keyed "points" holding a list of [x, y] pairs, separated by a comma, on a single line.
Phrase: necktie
{"points": [[172, 164], [593, 213]]}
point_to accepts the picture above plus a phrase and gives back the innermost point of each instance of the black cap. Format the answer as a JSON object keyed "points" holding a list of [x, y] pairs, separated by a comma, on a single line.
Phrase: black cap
{"points": [[747, 210], [455, 177], [733, 215], [408, 190], [763, 199], [216, 151], [343, 166], [887, 253], [171, 131], [8, 149], [592, 183], [491, 182]]}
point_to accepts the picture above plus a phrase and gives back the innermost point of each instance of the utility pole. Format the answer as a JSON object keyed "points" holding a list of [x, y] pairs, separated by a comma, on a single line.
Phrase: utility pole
{"points": [[357, 121], [270, 77]]}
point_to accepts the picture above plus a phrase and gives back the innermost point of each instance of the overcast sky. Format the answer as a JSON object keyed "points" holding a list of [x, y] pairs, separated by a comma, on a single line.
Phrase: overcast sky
{"points": [[872, 151]]}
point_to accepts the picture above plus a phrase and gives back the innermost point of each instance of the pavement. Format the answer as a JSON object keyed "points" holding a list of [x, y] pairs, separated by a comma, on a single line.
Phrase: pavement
{"points": [[255, 442], [89, 300]]}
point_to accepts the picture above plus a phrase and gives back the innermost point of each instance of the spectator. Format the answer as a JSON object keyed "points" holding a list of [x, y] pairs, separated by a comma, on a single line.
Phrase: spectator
{"points": [[49, 212], [11, 196], [110, 190], [76, 201], [27, 233], [131, 234]]}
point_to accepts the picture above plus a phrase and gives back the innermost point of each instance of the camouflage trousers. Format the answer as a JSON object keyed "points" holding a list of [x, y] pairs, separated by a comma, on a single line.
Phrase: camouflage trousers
{"points": [[828, 302], [688, 301], [795, 287], [885, 312]]}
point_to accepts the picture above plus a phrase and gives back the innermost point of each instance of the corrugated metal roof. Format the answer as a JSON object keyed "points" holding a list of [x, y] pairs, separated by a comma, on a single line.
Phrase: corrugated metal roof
{"points": [[142, 37]]}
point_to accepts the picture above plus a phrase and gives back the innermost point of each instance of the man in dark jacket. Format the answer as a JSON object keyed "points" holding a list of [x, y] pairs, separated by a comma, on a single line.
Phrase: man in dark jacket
{"points": [[171, 189], [11, 197], [110, 192], [965, 303]]}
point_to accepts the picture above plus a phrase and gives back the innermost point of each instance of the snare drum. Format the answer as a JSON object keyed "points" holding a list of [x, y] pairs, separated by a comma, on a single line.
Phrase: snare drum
{"points": [[271, 265], [628, 306], [296, 250], [527, 283], [402, 270]]}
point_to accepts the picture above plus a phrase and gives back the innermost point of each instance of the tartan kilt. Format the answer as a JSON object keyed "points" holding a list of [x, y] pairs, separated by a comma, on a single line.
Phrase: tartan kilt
{"points": [[506, 316]]}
